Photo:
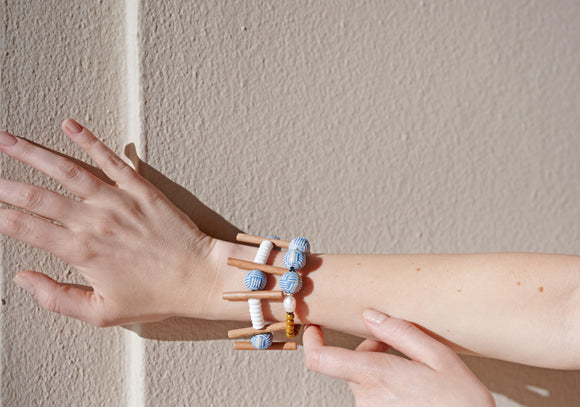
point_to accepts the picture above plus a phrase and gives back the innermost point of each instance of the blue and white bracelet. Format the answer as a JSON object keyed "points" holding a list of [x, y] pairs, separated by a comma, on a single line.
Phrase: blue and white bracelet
{"points": [[255, 281]]}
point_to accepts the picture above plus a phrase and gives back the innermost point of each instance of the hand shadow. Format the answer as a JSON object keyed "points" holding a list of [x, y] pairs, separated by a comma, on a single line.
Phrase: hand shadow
{"points": [[529, 386]]}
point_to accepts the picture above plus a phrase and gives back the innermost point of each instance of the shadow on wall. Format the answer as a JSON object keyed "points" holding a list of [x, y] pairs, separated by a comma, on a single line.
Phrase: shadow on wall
{"points": [[529, 386]]}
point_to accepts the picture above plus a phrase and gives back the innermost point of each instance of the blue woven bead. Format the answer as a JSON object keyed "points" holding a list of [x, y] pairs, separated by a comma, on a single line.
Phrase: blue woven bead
{"points": [[291, 282], [262, 341], [255, 280], [294, 260], [300, 244]]}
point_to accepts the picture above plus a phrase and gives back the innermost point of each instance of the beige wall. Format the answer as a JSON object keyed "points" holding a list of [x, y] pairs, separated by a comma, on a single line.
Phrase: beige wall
{"points": [[381, 127]]}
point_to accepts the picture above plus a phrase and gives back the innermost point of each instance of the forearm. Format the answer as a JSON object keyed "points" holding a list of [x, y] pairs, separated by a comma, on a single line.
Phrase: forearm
{"points": [[510, 306]]}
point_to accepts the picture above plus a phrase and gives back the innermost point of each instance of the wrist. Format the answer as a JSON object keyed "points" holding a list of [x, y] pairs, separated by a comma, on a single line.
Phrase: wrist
{"points": [[202, 294]]}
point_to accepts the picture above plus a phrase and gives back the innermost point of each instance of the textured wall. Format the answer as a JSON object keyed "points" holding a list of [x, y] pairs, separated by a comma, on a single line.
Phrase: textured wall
{"points": [[383, 127], [57, 60]]}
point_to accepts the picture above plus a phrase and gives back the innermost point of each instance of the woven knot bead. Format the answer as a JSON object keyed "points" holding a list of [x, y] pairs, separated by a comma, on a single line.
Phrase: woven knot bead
{"points": [[262, 341], [255, 280], [300, 244], [293, 259], [291, 282]]}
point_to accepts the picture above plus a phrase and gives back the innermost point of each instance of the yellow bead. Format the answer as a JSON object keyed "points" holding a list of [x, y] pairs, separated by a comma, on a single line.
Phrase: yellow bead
{"points": [[290, 331]]}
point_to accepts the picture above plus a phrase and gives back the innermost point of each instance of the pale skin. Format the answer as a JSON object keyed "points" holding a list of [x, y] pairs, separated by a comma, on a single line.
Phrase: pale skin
{"points": [[511, 306]]}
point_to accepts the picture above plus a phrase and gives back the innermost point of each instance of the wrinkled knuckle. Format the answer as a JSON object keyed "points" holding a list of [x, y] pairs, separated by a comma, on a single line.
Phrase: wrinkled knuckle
{"points": [[69, 171], [90, 140], [402, 328], [16, 224], [313, 360], [154, 196], [31, 198], [117, 162]]}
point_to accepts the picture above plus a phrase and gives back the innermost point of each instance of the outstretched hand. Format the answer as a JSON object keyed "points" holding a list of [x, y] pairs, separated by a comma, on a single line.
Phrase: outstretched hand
{"points": [[141, 255], [434, 375]]}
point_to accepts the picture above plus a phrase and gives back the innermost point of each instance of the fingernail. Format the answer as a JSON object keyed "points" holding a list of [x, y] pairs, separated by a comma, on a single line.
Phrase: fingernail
{"points": [[73, 126], [25, 284], [6, 139], [374, 316]]}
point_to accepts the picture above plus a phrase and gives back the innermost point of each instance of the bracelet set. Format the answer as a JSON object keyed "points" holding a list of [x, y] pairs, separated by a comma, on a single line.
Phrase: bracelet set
{"points": [[255, 281]]}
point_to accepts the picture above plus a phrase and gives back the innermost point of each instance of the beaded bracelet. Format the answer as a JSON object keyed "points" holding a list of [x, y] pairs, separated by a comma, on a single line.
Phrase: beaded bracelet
{"points": [[255, 281]]}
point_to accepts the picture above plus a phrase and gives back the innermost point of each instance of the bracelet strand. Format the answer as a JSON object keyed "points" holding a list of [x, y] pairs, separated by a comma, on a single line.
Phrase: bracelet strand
{"points": [[255, 280]]}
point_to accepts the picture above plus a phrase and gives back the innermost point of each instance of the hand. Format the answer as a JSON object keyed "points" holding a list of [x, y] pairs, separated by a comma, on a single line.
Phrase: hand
{"points": [[435, 375], [143, 258]]}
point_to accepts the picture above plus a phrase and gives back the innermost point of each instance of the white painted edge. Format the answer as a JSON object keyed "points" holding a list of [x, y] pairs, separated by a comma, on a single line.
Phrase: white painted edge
{"points": [[134, 344]]}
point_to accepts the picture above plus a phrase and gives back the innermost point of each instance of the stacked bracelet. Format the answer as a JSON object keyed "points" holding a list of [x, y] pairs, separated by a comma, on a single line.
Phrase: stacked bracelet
{"points": [[291, 282], [255, 281]]}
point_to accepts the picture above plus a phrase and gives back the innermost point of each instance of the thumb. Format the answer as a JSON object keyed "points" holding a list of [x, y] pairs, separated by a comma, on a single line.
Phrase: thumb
{"points": [[69, 300], [408, 339]]}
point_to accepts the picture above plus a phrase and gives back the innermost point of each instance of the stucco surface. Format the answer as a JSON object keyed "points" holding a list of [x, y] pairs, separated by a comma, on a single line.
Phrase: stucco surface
{"points": [[383, 127], [57, 60]]}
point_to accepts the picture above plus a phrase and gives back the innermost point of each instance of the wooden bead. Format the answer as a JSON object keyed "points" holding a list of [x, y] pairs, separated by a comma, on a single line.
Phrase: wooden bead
{"points": [[290, 325]]}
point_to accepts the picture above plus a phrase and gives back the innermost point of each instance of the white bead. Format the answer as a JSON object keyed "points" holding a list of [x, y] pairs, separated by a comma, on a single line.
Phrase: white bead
{"points": [[256, 314], [255, 305], [263, 252], [290, 303]]}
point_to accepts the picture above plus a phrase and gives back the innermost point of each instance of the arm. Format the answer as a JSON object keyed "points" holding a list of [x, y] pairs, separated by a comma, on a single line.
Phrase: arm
{"points": [[143, 259], [510, 306]]}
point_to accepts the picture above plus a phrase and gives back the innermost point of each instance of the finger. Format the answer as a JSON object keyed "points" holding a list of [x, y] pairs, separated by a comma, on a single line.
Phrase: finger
{"points": [[71, 175], [408, 339], [331, 361], [111, 164], [38, 200], [370, 345], [38, 232], [62, 298]]}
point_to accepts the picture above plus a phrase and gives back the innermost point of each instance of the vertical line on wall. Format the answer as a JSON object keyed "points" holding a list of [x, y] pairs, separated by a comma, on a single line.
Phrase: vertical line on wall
{"points": [[134, 344], [133, 76]]}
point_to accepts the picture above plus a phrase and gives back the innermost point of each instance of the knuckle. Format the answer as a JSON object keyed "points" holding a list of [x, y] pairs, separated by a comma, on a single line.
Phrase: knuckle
{"points": [[31, 198], [106, 226], [49, 302], [445, 356], [116, 162], [69, 171], [313, 360], [402, 328], [154, 196], [83, 250], [90, 140], [16, 224]]}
